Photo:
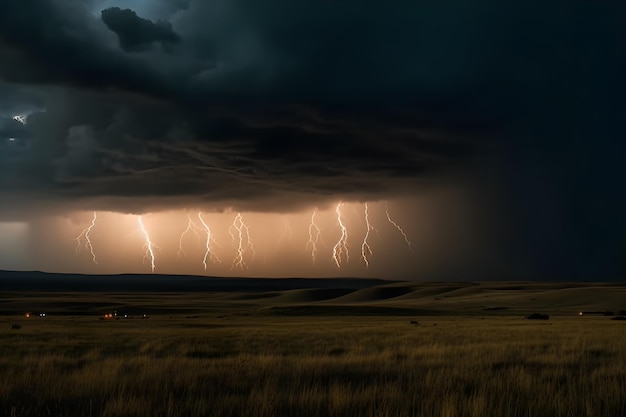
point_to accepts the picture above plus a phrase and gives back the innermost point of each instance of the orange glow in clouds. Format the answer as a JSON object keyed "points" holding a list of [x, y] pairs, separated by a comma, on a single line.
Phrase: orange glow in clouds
{"points": [[262, 244]]}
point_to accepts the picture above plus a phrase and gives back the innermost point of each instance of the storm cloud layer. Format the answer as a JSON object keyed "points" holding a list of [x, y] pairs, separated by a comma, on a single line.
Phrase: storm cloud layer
{"points": [[240, 102], [137, 34], [133, 106]]}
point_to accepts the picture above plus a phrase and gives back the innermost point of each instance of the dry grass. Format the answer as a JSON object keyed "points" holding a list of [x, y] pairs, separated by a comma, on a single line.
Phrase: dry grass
{"points": [[299, 366]]}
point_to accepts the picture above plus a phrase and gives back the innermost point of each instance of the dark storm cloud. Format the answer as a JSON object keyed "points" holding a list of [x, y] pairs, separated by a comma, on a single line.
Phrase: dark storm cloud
{"points": [[244, 51], [248, 162], [11, 128], [263, 103], [16, 100], [46, 42], [240, 113], [136, 34]]}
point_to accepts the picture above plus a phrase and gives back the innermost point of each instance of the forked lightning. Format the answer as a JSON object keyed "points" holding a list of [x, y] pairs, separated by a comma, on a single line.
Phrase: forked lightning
{"points": [[84, 239], [240, 234], [149, 247], [397, 226], [341, 250], [314, 236], [208, 253], [191, 227], [366, 250]]}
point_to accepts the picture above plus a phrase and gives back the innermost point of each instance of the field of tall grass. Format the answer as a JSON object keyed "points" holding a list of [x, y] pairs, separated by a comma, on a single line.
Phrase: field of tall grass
{"points": [[312, 366]]}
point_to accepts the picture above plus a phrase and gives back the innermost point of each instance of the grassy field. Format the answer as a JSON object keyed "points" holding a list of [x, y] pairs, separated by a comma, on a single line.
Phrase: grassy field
{"points": [[252, 355]]}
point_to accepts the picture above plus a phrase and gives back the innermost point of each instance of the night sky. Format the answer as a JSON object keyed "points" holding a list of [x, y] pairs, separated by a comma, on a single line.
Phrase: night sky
{"points": [[491, 132]]}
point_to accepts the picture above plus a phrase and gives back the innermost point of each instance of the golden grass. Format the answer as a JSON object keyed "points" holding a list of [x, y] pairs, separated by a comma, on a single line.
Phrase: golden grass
{"points": [[304, 366]]}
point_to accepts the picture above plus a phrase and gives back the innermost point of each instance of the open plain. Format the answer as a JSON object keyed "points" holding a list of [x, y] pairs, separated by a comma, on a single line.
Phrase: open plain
{"points": [[200, 347]]}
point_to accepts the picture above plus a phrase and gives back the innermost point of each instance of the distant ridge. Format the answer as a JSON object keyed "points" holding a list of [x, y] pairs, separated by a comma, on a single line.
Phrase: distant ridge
{"points": [[52, 282], [72, 294]]}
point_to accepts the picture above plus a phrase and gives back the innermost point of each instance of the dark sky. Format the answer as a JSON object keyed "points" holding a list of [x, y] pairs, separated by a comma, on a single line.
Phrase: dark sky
{"points": [[500, 125]]}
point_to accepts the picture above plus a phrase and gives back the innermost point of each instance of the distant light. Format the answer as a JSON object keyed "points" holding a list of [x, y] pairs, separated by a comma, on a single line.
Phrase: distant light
{"points": [[20, 118], [42, 314], [580, 313], [27, 315], [11, 139]]}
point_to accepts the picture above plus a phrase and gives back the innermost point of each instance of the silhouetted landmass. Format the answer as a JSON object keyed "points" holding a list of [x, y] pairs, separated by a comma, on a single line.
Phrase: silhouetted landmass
{"points": [[538, 316], [138, 294], [330, 311], [599, 313], [50, 282]]}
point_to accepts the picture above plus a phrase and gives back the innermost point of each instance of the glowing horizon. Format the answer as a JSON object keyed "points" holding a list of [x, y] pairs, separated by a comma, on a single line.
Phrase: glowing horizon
{"points": [[252, 243]]}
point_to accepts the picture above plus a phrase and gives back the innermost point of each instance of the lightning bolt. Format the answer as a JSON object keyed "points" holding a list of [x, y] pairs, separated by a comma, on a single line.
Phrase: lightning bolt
{"points": [[366, 250], [241, 239], [208, 254], [397, 226], [341, 247], [191, 227], [149, 247], [314, 236], [87, 240], [20, 118]]}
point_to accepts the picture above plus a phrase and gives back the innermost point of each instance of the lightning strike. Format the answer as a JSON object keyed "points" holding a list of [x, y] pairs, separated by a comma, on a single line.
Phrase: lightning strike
{"points": [[397, 226], [366, 250], [20, 118], [241, 239], [149, 247], [84, 239], [208, 254], [314, 236], [340, 250], [191, 227]]}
